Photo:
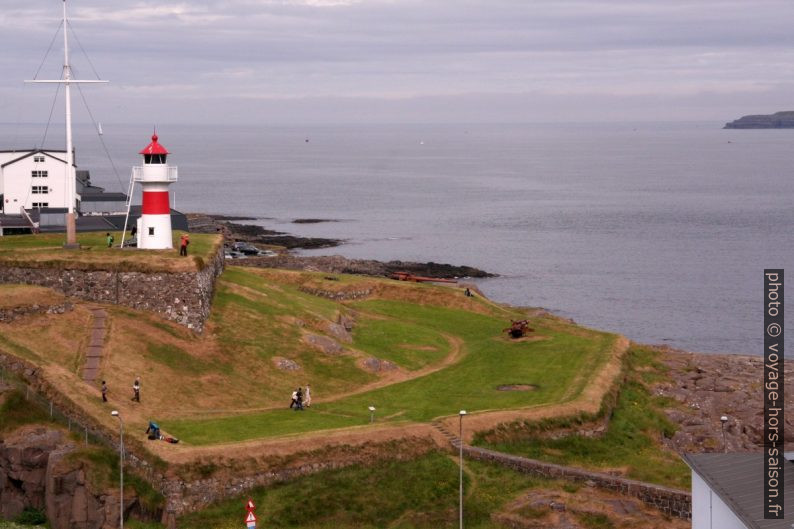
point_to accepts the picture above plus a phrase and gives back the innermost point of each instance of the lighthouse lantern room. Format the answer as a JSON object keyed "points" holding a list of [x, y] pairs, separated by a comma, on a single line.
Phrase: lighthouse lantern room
{"points": [[155, 175]]}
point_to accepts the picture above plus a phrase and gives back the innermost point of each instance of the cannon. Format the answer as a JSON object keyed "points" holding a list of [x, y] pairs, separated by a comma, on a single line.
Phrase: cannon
{"points": [[518, 329]]}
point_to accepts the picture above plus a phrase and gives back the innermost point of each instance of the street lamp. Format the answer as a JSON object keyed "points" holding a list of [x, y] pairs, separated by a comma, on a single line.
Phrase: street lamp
{"points": [[461, 413], [115, 413], [371, 414], [723, 420]]}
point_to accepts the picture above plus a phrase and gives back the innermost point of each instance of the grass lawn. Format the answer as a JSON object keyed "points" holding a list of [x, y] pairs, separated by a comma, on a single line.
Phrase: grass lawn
{"points": [[22, 295], [45, 250], [422, 493], [557, 366], [631, 441]]}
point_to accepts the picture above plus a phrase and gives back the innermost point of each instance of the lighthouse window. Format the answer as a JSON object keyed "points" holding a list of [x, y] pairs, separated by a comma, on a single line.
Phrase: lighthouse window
{"points": [[38, 174], [41, 204], [40, 190], [38, 159], [151, 231]]}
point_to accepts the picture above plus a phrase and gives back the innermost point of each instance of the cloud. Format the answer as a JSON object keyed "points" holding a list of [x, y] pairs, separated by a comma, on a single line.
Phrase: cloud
{"points": [[313, 50]]}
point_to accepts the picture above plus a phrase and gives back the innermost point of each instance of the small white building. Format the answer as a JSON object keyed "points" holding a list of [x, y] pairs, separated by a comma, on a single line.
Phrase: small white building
{"points": [[728, 492], [33, 179]]}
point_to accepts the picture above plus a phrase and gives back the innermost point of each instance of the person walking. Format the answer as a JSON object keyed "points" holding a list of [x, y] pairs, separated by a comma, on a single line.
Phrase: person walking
{"points": [[307, 396], [294, 399], [136, 388], [299, 400], [109, 239], [183, 242], [104, 391]]}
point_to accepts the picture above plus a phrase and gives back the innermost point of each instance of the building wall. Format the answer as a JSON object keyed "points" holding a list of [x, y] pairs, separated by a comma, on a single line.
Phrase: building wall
{"points": [[708, 510], [18, 182]]}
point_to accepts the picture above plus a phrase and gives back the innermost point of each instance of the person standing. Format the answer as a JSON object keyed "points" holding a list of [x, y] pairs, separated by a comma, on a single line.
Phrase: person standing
{"points": [[307, 396], [299, 400], [104, 391], [109, 239], [134, 230], [183, 242], [136, 388]]}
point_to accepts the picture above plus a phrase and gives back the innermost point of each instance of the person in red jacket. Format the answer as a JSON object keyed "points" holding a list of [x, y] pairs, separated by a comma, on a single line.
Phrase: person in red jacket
{"points": [[184, 241]]}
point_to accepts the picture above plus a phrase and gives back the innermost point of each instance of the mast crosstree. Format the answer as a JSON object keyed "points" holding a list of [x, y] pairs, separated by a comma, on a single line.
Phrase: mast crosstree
{"points": [[71, 184]]}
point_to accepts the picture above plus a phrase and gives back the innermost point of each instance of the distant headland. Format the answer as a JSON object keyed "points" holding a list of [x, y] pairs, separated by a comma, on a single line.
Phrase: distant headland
{"points": [[778, 120]]}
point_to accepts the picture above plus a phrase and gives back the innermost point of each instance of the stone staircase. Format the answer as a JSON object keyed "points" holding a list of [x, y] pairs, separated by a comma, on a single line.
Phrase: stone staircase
{"points": [[453, 439], [93, 355]]}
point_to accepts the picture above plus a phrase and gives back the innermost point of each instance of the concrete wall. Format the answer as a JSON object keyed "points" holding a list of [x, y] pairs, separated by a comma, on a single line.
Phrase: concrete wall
{"points": [[674, 502], [185, 298]]}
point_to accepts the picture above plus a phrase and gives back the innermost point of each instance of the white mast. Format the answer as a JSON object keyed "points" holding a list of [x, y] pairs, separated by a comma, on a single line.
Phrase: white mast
{"points": [[71, 185]]}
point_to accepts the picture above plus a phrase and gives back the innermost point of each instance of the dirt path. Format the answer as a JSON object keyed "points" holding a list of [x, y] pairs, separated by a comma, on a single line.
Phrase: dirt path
{"points": [[588, 401]]}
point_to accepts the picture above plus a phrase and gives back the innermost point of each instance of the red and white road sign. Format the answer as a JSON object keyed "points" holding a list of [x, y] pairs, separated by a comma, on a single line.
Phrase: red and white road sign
{"points": [[250, 505]]}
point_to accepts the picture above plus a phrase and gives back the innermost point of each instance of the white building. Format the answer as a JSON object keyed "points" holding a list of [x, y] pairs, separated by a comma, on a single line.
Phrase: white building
{"points": [[728, 492], [33, 179]]}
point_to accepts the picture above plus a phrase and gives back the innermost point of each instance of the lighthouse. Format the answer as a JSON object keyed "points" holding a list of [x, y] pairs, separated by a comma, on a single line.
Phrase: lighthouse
{"points": [[155, 175]]}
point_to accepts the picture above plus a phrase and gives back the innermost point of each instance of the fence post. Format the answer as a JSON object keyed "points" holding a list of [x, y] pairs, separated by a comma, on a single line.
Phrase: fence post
{"points": [[70, 424], [27, 392], [50, 409], [86, 435]]}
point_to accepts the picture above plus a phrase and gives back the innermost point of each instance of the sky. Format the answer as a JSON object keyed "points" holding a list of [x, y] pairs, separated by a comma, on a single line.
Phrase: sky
{"points": [[415, 61]]}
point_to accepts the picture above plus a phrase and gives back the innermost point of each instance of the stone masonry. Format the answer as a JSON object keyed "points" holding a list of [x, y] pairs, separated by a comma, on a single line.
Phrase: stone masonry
{"points": [[184, 297]]}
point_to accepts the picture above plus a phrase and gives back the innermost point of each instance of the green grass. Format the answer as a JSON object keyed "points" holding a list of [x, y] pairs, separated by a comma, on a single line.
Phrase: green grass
{"points": [[45, 250], [15, 411], [175, 358], [422, 493], [408, 345], [557, 366], [631, 440]]}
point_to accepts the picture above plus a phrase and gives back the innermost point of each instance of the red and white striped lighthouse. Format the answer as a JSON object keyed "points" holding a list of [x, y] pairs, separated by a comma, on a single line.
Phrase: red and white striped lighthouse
{"points": [[154, 225]]}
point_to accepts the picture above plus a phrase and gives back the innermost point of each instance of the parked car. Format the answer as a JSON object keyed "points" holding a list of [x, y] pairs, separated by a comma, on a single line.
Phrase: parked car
{"points": [[245, 248]]}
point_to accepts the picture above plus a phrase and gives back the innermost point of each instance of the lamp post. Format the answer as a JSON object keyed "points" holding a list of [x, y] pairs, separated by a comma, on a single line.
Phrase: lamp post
{"points": [[371, 414], [121, 468], [461, 413], [723, 420]]}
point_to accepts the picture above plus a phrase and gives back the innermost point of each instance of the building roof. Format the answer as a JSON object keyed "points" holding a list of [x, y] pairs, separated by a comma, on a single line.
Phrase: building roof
{"points": [[104, 197], [738, 479], [154, 147], [31, 153]]}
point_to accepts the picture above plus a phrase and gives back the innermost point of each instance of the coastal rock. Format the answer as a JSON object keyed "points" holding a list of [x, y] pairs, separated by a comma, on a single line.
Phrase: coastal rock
{"points": [[778, 120]]}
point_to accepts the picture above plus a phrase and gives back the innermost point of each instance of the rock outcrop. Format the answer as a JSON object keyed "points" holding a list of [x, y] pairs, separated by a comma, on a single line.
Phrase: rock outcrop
{"points": [[778, 120], [36, 471]]}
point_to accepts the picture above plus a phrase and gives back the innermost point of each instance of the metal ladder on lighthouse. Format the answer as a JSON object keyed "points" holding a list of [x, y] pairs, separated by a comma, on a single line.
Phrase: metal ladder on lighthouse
{"points": [[129, 206]]}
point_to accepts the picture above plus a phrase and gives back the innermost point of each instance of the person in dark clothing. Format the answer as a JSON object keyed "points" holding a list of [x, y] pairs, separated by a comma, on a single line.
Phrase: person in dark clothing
{"points": [[104, 392], [133, 231], [299, 400], [136, 388]]}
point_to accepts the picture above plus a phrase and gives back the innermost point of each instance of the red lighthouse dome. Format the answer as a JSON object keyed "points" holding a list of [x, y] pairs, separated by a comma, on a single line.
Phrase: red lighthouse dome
{"points": [[154, 147]]}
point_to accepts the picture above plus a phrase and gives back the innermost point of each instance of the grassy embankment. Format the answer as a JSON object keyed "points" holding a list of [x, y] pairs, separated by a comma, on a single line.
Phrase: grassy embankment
{"points": [[411, 335], [45, 250], [415, 494], [631, 443], [226, 385]]}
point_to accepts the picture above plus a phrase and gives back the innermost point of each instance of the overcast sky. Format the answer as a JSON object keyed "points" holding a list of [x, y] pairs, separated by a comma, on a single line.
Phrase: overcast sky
{"points": [[335, 61]]}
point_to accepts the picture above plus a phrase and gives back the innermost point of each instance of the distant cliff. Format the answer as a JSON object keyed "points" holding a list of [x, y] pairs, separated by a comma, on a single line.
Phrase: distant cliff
{"points": [[778, 120]]}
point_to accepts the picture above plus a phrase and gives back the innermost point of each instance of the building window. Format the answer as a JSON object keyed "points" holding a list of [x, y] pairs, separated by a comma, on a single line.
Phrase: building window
{"points": [[41, 204], [151, 231], [40, 190], [38, 174], [38, 159]]}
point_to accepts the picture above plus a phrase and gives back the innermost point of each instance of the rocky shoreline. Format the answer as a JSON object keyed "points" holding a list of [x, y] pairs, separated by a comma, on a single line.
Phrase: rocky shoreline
{"points": [[334, 264]]}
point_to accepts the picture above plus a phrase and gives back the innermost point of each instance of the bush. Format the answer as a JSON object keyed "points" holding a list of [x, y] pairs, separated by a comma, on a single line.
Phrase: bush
{"points": [[31, 516]]}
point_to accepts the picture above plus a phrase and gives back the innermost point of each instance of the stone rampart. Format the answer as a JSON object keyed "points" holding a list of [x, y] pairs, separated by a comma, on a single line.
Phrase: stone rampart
{"points": [[183, 297]]}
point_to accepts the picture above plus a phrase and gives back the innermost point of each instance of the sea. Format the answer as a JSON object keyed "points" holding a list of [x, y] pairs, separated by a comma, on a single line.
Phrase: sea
{"points": [[659, 231]]}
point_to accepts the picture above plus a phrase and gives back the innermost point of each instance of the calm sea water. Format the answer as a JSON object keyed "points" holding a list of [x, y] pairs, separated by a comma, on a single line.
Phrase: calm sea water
{"points": [[657, 231]]}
